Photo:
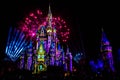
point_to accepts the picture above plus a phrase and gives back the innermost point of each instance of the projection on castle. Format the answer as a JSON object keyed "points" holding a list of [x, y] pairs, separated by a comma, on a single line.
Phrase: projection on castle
{"points": [[36, 43]]}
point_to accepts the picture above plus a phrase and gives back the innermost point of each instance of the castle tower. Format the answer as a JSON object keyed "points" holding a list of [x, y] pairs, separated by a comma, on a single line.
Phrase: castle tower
{"points": [[29, 56], [68, 63], [43, 36], [49, 17], [40, 60], [106, 51], [22, 61], [58, 54], [49, 28]]}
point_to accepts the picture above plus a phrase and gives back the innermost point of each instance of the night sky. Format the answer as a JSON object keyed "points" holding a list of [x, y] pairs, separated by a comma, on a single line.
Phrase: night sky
{"points": [[85, 19]]}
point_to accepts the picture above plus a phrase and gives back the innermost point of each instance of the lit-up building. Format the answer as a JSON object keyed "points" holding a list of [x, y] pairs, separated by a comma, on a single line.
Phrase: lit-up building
{"points": [[45, 50], [106, 52]]}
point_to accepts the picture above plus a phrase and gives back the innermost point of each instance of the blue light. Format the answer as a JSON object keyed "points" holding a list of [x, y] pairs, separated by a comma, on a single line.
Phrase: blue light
{"points": [[15, 44], [96, 65], [41, 67], [8, 38], [78, 57]]}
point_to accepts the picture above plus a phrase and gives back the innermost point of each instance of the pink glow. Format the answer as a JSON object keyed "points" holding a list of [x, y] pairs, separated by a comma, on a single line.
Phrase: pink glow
{"points": [[26, 18], [58, 23], [55, 18], [53, 23], [29, 20], [41, 13], [68, 29], [65, 40], [44, 23], [33, 34], [58, 18], [31, 14], [35, 17], [60, 27], [38, 11], [68, 32]]}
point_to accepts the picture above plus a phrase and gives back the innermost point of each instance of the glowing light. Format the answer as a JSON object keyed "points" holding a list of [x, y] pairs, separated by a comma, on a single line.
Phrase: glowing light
{"points": [[49, 30], [27, 19], [78, 57], [54, 30], [64, 22], [15, 46], [38, 11], [41, 53], [68, 29], [96, 65], [35, 17], [58, 18], [106, 50], [33, 34], [44, 23], [31, 14]]}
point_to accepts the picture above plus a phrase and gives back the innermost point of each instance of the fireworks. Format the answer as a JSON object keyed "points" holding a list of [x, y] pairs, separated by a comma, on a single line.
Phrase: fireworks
{"points": [[34, 20]]}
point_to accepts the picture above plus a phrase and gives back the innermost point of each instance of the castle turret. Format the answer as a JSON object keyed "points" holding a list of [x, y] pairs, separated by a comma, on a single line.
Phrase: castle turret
{"points": [[40, 60], [58, 54], [29, 55], [49, 17], [106, 50], [68, 60], [49, 28]]}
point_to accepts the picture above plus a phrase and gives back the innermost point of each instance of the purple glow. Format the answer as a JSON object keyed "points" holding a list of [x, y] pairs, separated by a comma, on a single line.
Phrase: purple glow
{"points": [[70, 62]]}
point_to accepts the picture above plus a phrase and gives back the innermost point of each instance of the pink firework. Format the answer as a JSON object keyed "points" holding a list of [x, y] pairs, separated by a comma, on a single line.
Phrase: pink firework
{"points": [[34, 20], [62, 30]]}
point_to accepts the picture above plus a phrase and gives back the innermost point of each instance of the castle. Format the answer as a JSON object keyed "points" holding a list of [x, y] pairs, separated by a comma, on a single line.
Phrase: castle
{"points": [[46, 50]]}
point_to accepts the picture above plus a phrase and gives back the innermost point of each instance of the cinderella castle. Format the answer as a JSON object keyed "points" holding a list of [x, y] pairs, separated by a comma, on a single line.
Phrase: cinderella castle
{"points": [[45, 50]]}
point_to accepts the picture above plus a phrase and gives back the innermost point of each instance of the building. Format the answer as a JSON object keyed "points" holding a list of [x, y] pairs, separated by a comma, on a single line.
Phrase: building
{"points": [[106, 52], [45, 50]]}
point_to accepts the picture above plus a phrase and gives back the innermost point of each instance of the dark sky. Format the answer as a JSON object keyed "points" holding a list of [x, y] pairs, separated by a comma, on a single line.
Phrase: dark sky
{"points": [[85, 20]]}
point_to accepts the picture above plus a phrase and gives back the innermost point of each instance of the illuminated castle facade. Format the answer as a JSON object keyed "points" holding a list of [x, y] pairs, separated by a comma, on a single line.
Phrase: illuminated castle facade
{"points": [[45, 51]]}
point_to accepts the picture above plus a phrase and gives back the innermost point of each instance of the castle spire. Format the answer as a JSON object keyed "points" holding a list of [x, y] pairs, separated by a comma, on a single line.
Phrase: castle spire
{"points": [[49, 20], [49, 17], [49, 27], [102, 29], [49, 11], [67, 50]]}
